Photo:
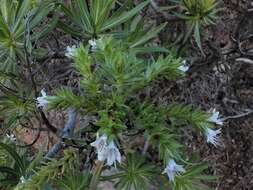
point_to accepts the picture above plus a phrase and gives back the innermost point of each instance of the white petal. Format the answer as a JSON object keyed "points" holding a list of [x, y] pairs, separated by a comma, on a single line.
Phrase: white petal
{"points": [[92, 42], [70, 51], [101, 147], [41, 101], [212, 136], [102, 155], [100, 143], [173, 169], [183, 68], [43, 93], [110, 152], [214, 118], [22, 179], [113, 154], [11, 137], [118, 157]]}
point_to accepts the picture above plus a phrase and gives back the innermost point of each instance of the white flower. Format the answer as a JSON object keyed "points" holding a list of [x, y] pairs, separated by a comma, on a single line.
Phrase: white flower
{"points": [[183, 67], [212, 136], [11, 137], [70, 51], [22, 179], [101, 146], [112, 154], [93, 44], [172, 169], [41, 101], [215, 118]]}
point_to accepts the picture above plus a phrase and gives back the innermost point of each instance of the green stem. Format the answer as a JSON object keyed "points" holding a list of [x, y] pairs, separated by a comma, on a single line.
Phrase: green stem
{"points": [[96, 175]]}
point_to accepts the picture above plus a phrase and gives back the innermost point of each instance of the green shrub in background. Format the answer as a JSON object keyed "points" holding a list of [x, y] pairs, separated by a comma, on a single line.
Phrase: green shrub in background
{"points": [[198, 14], [17, 21]]}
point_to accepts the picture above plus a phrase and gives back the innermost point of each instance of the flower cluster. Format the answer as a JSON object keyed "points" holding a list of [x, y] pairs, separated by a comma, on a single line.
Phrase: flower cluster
{"points": [[212, 135], [11, 137], [172, 169], [105, 151]]}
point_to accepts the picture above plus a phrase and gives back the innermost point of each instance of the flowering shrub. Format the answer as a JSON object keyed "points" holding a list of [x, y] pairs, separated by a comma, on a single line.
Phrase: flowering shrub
{"points": [[111, 73]]}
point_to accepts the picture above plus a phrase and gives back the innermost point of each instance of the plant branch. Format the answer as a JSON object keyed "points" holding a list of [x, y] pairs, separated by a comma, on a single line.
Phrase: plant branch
{"points": [[28, 62]]}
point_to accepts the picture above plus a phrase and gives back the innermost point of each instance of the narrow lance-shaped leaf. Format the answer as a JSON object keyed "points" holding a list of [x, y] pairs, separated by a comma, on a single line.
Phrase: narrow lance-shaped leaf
{"points": [[8, 170], [197, 35], [114, 21], [15, 156], [22, 11], [151, 34], [85, 15]]}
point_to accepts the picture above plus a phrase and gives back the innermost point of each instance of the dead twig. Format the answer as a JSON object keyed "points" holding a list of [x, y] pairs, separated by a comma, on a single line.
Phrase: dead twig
{"points": [[245, 60], [237, 116]]}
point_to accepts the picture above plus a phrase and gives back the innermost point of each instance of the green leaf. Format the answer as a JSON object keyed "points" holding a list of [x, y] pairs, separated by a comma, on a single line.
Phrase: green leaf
{"points": [[151, 34], [193, 179], [8, 182], [100, 11], [65, 98], [114, 21], [21, 13], [40, 12], [150, 49], [4, 28], [184, 114], [189, 32], [197, 36], [8, 170], [15, 156], [74, 181], [135, 174], [69, 29], [36, 161], [85, 16], [50, 26], [163, 68]]}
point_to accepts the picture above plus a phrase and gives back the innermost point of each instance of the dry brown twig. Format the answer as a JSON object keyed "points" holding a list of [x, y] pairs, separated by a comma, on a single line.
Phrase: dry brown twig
{"points": [[238, 116]]}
